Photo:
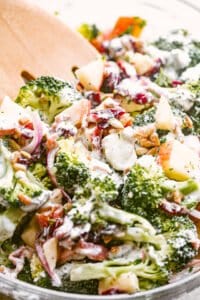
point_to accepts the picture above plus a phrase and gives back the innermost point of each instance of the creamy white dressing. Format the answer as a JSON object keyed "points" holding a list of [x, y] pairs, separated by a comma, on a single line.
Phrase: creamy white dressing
{"points": [[191, 74], [119, 151]]}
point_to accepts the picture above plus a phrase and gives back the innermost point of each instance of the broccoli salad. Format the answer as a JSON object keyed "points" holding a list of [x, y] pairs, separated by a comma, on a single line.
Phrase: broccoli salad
{"points": [[100, 177]]}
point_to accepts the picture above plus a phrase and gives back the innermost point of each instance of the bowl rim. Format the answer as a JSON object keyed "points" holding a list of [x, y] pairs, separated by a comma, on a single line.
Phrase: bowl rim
{"points": [[162, 290]]}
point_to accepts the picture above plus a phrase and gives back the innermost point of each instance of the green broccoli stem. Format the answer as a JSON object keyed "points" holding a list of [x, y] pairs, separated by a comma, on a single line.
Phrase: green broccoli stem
{"points": [[114, 268], [115, 215], [186, 187], [138, 235]]}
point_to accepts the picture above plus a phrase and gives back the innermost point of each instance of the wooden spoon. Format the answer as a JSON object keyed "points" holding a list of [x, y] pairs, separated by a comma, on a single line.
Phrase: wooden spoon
{"points": [[36, 42]]}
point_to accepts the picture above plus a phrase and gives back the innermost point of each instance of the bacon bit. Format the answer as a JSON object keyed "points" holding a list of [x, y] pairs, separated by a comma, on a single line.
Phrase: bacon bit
{"points": [[4, 132], [194, 214], [64, 255], [24, 199], [51, 144], [92, 251], [193, 263], [47, 214], [173, 208], [195, 244]]}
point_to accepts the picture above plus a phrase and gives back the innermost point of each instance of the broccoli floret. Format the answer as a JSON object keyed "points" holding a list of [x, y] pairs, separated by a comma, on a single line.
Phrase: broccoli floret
{"points": [[9, 221], [145, 118], [162, 79], [99, 189], [181, 250], [89, 287], [89, 32], [194, 87], [194, 53], [143, 190], [166, 45], [172, 40], [38, 274], [70, 172], [6, 248], [194, 111], [104, 189], [25, 274], [27, 188], [49, 95], [179, 232], [165, 223], [17, 184], [39, 171]]}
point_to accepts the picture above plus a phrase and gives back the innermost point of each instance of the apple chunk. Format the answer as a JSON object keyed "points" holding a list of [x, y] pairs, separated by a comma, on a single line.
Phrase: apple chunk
{"points": [[164, 116], [51, 252], [177, 160], [91, 75]]}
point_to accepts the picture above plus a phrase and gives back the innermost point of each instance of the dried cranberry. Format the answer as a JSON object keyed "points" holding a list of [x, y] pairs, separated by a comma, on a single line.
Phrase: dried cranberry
{"points": [[155, 69], [123, 71], [103, 116], [117, 113], [96, 138], [140, 98], [111, 77], [175, 83], [94, 97]]}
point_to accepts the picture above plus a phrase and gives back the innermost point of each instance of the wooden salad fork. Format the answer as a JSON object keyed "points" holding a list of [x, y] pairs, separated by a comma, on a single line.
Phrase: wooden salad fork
{"points": [[34, 43]]}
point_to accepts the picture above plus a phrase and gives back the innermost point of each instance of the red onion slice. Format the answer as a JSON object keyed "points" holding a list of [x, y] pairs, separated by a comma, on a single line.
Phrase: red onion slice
{"points": [[55, 278], [37, 135], [50, 164]]}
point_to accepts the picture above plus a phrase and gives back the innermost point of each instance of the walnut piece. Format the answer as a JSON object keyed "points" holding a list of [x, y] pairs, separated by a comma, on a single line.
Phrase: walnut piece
{"points": [[147, 140]]}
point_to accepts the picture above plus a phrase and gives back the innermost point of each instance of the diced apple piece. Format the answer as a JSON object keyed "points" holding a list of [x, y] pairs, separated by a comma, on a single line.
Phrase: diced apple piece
{"points": [[91, 75], [142, 63], [119, 151], [30, 233], [75, 113], [10, 114], [131, 106], [177, 160], [125, 282], [50, 249], [164, 116]]}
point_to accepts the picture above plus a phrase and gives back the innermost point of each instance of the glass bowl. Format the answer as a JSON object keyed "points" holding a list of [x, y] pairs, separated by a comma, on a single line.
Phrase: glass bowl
{"points": [[161, 16]]}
